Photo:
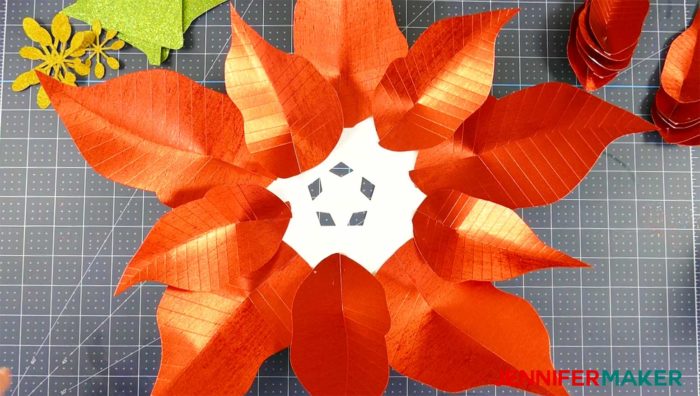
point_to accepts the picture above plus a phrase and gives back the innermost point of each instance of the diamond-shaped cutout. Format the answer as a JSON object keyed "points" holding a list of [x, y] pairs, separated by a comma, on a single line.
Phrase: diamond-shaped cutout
{"points": [[367, 188], [325, 219], [357, 219], [315, 189], [341, 169]]}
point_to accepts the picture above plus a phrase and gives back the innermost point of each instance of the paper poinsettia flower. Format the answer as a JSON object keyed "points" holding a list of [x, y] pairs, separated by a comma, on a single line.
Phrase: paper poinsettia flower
{"points": [[247, 279]]}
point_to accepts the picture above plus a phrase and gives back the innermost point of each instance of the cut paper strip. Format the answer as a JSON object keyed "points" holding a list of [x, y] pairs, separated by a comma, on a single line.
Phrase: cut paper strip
{"points": [[424, 97], [293, 117], [676, 107], [209, 243], [526, 149], [214, 343], [456, 336], [153, 26], [602, 39], [159, 131], [340, 319], [351, 44], [468, 239]]}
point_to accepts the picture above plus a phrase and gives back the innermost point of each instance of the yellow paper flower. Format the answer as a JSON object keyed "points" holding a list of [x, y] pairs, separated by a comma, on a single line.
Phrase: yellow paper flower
{"points": [[58, 58], [99, 47]]}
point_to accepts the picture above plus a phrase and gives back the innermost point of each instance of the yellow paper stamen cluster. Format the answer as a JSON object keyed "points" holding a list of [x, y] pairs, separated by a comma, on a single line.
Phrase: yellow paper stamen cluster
{"points": [[60, 55]]}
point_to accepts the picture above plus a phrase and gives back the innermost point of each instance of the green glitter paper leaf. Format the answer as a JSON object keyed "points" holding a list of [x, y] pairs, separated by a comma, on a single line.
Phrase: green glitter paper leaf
{"points": [[153, 26]]}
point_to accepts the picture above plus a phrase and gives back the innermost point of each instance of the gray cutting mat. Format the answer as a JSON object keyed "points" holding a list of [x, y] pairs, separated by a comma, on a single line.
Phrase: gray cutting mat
{"points": [[66, 233]]}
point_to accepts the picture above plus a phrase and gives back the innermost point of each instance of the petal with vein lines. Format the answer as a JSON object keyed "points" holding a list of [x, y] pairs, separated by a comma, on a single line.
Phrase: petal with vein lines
{"points": [[351, 43], [214, 343], [212, 242], [339, 322], [457, 336], [159, 131], [446, 76], [465, 238], [293, 117], [529, 148]]}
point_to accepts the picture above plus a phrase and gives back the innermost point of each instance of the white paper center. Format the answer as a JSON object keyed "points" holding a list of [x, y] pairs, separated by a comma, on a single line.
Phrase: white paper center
{"points": [[342, 197]]}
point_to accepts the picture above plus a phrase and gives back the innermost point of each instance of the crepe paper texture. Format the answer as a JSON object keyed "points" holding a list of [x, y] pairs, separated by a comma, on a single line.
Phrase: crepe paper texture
{"points": [[676, 108], [602, 39], [5, 380], [237, 293], [59, 55], [153, 26]]}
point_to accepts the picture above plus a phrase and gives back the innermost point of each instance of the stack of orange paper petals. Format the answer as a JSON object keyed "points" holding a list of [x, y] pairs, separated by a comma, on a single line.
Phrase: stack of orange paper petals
{"points": [[676, 109], [602, 39]]}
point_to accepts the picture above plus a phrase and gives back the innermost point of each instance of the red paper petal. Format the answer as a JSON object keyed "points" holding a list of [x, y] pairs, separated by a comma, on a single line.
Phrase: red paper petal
{"points": [[588, 79], [529, 148], [214, 343], [617, 24], [446, 76], [209, 243], [680, 77], [456, 336], [5, 379], [159, 131], [293, 117], [340, 319], [351, 44], [465, 238]]}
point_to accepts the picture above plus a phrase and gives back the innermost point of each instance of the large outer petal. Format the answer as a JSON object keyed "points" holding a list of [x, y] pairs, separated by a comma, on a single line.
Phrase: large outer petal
{"points": [[465, 238], [680, 77], [340, 320], [446, 76], [207, 244], [456, 336], [351, 43], [293, 117], [214, 343], [529, 148], [159, 131]]}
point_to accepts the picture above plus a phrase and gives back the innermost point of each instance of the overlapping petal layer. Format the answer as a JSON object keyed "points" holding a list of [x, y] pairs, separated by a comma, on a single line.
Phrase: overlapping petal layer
{"points": [[209, 243], [159, 131], [214, 343], [446, 76], [529, 148], [351, 43], [293, 117], [455, 336], [616, 24], [468, 239], [340, 319], [676, 108]]}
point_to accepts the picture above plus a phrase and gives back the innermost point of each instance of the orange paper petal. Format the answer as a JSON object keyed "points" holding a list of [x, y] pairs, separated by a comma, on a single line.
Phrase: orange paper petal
{"points": [[677, 105], [446, 76], [351, 43], [293, 117], [214, 343], [617, 24], [529, 148], [340, 319], [680, 77], [577, 59], [206, 244], [159, 131], [5, 379], [456, 336], [465, 238]]}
